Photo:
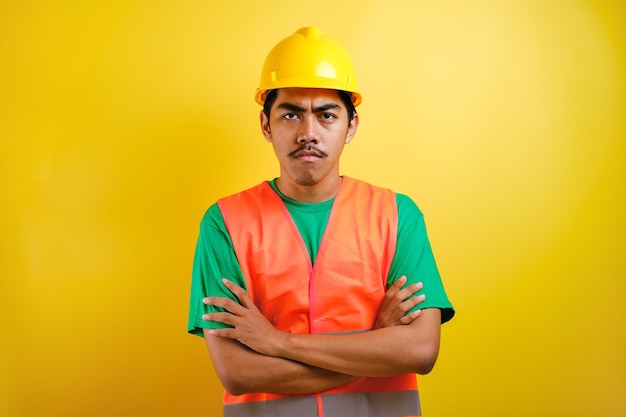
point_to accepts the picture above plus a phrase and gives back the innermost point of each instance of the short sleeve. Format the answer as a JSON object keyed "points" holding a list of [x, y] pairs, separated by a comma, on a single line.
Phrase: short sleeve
{"points": [[214, 259], [414, 258]]}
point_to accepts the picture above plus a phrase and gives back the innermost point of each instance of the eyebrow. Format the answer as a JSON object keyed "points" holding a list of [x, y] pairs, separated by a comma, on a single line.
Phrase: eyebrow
{"points": [[298, 109]]}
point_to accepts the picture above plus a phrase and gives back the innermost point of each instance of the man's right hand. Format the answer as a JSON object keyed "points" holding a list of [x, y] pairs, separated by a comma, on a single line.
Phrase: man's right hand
{"points": [[396, 303]]}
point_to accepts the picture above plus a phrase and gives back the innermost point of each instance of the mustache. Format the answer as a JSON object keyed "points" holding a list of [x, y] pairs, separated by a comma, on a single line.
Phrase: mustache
{"points": [[308, 148]]}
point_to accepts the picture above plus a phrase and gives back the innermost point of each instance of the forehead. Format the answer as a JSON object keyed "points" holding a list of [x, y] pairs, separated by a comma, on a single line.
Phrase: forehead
{"points": [[314, 96]]}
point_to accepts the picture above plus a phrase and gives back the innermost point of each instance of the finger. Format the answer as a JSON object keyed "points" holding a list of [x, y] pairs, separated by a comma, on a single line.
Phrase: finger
{"points": [[239, 292], [408, 319], [399, 316], [225, 318], [225, 303], [228, 333], [403, 300], [395, 287], [409, 304], [413, 301], [391, 292], [398, 284], [410, 291], [394, 298]]}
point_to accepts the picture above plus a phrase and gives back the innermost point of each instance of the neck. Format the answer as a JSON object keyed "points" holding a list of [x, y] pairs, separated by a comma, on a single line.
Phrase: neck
{"points": [[316, 193]]}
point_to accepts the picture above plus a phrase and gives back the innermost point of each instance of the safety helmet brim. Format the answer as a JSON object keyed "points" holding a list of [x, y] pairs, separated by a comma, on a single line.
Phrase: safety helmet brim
{"points": [[308, 59]]}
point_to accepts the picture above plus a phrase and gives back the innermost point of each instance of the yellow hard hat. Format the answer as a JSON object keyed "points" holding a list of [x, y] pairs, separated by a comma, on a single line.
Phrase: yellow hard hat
{"points": [[308, 59]]}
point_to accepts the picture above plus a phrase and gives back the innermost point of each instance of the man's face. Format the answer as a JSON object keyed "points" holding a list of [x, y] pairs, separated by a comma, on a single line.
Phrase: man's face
{"points": [[308, 128]]}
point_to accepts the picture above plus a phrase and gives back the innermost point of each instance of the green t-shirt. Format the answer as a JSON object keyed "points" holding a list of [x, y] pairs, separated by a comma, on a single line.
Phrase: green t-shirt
{"points": [[215, 256]]}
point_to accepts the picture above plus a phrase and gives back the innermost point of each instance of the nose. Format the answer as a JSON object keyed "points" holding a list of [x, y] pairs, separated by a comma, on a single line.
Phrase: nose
{"points": [[309, 131]]}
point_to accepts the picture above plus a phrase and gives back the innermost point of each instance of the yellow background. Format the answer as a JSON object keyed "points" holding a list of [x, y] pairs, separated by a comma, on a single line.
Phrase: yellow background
{"points": [[122, 121]]}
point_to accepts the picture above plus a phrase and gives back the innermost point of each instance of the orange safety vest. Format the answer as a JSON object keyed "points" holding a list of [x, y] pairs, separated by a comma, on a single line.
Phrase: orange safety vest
{"points": [[342, 292]]}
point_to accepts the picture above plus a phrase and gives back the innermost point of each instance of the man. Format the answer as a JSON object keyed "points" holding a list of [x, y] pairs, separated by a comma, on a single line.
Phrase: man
{"points": [[306, 287]]}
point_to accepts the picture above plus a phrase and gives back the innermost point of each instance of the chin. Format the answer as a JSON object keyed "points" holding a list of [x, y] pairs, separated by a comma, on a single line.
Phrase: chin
{"points": [[306, 182], [306, 179]]}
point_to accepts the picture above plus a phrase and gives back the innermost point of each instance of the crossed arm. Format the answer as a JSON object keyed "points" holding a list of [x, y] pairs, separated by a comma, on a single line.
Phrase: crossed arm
{"points": [[254, 356]]}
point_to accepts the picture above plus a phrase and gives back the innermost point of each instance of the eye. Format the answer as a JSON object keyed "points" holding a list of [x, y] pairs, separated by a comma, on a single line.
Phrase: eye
{"points": [[290, 116], [328, 116]]}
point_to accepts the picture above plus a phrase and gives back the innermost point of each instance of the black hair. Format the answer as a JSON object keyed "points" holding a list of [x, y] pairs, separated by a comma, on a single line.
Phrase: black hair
{"points": [[346, 97]]}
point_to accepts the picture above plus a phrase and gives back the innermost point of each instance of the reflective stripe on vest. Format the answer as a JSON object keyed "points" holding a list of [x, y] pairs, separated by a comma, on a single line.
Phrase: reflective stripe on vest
{"points": [[356, 404], [342, 292]]}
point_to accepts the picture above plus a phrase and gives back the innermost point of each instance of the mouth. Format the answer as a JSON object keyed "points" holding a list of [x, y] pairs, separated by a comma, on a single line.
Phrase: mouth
{"points": [[308, 156], [308, 152]]}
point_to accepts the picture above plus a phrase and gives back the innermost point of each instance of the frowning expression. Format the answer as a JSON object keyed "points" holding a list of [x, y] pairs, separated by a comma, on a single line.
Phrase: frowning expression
{"points": [[308, 128]]}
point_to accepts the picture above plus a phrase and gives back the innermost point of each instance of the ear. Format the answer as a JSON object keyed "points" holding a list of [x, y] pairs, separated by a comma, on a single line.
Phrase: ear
{"points": [[354, 124], [265, 126]]}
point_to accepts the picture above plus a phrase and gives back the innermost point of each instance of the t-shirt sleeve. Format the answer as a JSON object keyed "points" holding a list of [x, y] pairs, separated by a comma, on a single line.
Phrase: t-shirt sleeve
{"points": [[414, 259], [214, 259]]}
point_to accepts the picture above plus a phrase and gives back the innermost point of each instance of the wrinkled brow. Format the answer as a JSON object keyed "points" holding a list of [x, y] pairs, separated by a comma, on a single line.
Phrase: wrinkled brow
{"points": [[298, 109]]}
